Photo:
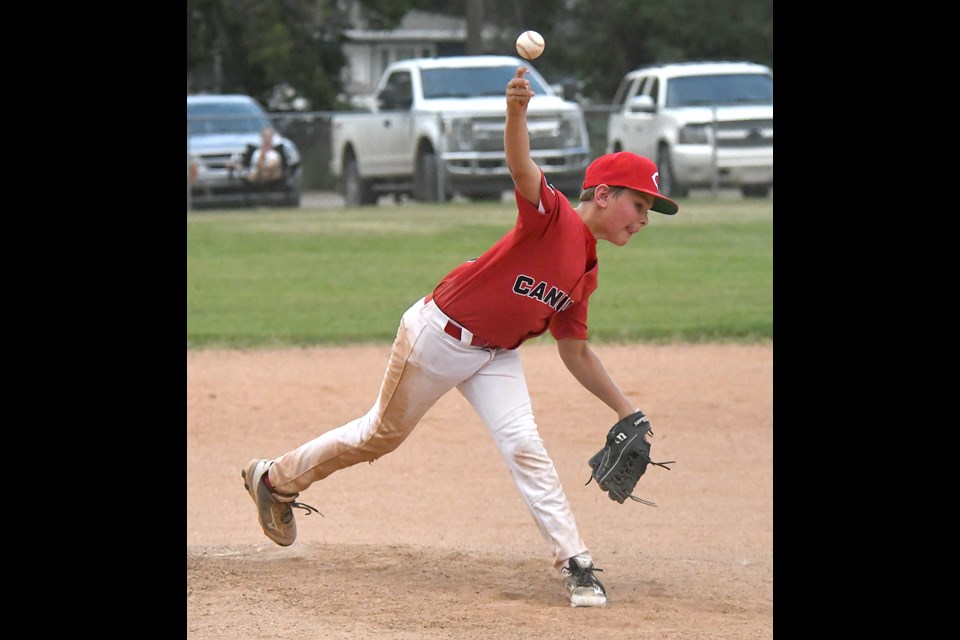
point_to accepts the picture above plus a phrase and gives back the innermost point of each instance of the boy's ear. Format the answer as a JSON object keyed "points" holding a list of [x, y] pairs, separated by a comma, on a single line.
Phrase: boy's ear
{"points": [[601, 193]]}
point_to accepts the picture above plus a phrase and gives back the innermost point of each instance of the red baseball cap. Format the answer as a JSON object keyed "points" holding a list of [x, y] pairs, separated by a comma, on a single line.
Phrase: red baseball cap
{"points": [[625, 169]]}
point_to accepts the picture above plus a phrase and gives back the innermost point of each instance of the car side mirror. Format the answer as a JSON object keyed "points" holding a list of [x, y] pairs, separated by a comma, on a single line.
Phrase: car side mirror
{"points": [[641, 104], [390, 99], [387, 100]]}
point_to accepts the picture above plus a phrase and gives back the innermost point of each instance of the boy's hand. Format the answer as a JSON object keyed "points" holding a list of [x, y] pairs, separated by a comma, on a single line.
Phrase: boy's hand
{"points": [[518, 91]]}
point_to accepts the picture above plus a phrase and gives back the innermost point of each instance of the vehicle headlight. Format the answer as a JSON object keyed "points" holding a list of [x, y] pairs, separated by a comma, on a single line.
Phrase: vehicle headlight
{"points": [[694, 134], [193, 167], [459, 134], [571, 131]]}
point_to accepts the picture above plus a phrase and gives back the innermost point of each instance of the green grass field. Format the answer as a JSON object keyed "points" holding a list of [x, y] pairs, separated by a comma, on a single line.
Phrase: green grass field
{"points": [[313, 276]]}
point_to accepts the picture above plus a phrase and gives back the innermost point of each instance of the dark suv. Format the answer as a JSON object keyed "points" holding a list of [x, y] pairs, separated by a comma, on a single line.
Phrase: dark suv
{"points": [[222, 133]]}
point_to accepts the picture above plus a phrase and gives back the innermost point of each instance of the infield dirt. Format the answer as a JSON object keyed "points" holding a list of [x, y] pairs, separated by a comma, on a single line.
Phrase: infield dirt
{"points": [[432, 541]]}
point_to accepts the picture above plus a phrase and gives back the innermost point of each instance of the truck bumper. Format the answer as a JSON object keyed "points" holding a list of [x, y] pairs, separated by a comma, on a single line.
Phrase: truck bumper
{"points": [[481, 172], [693, 165]]}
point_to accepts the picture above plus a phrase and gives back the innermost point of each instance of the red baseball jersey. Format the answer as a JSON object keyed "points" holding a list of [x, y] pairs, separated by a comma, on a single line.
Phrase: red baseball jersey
{"points": [[539, 275]]}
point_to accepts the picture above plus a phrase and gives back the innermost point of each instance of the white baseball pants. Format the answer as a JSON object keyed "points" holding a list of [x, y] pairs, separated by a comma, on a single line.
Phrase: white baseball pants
{"points": [[425, 363]]}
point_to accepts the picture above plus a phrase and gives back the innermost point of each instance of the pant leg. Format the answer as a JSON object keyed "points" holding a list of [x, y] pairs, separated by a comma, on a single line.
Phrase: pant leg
{"points": [[498, 392], [424, 364]]}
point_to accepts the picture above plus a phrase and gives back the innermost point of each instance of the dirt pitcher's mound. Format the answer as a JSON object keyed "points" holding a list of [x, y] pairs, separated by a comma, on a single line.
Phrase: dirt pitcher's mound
{"points": [[432, 541]]}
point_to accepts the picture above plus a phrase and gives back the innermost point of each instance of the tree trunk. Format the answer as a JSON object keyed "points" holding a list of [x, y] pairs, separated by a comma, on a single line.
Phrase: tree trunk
{"points": [[474, 27]]}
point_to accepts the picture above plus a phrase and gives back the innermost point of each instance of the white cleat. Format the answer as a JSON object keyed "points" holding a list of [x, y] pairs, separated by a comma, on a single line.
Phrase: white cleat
{"points": [[585, 590]]}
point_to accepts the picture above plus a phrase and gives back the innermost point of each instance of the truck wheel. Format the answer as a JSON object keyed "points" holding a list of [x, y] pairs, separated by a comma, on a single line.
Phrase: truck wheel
{"points": [[669, 185], [755, 191], [356, 191], [425, 180]]}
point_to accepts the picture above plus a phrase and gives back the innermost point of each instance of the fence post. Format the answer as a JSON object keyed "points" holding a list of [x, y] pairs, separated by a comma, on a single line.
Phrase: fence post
{"points": [[715, 182], [441, 153], [189, 203]]}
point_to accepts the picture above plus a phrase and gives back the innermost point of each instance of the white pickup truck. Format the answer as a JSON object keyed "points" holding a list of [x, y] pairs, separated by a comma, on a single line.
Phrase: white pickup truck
{"points": [[435, 129], [707, 124]]}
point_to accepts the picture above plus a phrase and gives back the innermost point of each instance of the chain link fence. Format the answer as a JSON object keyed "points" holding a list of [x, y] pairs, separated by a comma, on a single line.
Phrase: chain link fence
{"points": [[310, 131]]}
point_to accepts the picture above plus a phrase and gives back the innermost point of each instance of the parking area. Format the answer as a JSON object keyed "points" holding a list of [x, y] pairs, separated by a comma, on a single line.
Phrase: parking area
{"points": [[323, 199]]}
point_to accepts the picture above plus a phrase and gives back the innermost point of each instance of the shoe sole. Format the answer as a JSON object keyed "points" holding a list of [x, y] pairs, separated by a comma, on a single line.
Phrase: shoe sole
{"points": [[246, 485], [243, 474], [588, 600]]}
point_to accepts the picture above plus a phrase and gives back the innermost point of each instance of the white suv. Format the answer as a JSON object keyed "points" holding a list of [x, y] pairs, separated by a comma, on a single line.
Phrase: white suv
{"points": [[704, 123]]}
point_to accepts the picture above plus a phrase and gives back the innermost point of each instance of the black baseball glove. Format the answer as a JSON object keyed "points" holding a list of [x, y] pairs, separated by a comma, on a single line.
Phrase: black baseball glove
{"points": [[618, 466]]}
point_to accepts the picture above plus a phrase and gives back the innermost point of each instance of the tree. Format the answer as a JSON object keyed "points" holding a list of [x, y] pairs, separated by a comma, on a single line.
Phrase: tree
{"points": [[597, 41], [475, 22], [636, 33], [254, 46]]}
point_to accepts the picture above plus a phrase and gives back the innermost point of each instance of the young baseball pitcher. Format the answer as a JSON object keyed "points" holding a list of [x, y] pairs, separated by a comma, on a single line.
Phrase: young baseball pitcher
{"points": [[465, 335]]}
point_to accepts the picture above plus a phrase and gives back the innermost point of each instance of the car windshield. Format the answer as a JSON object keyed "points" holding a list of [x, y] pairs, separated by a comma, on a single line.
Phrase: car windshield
{"points": [[472, 82], [722, 89], [224, 117]]}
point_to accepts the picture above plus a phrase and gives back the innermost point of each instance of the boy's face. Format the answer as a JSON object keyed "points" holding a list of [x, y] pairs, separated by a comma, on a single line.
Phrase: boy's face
{"points": [[626, 213]]}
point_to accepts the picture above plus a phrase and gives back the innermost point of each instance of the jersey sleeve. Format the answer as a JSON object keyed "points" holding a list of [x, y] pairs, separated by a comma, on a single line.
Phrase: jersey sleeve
{"points": [[536, 215], [571, 323]]}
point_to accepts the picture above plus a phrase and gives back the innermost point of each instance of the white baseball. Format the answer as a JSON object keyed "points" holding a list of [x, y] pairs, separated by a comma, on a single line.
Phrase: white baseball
{"points": [[530, 44]]}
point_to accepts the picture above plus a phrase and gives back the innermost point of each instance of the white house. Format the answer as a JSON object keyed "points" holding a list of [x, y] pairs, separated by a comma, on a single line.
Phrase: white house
{"points": [[420, 34]]}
